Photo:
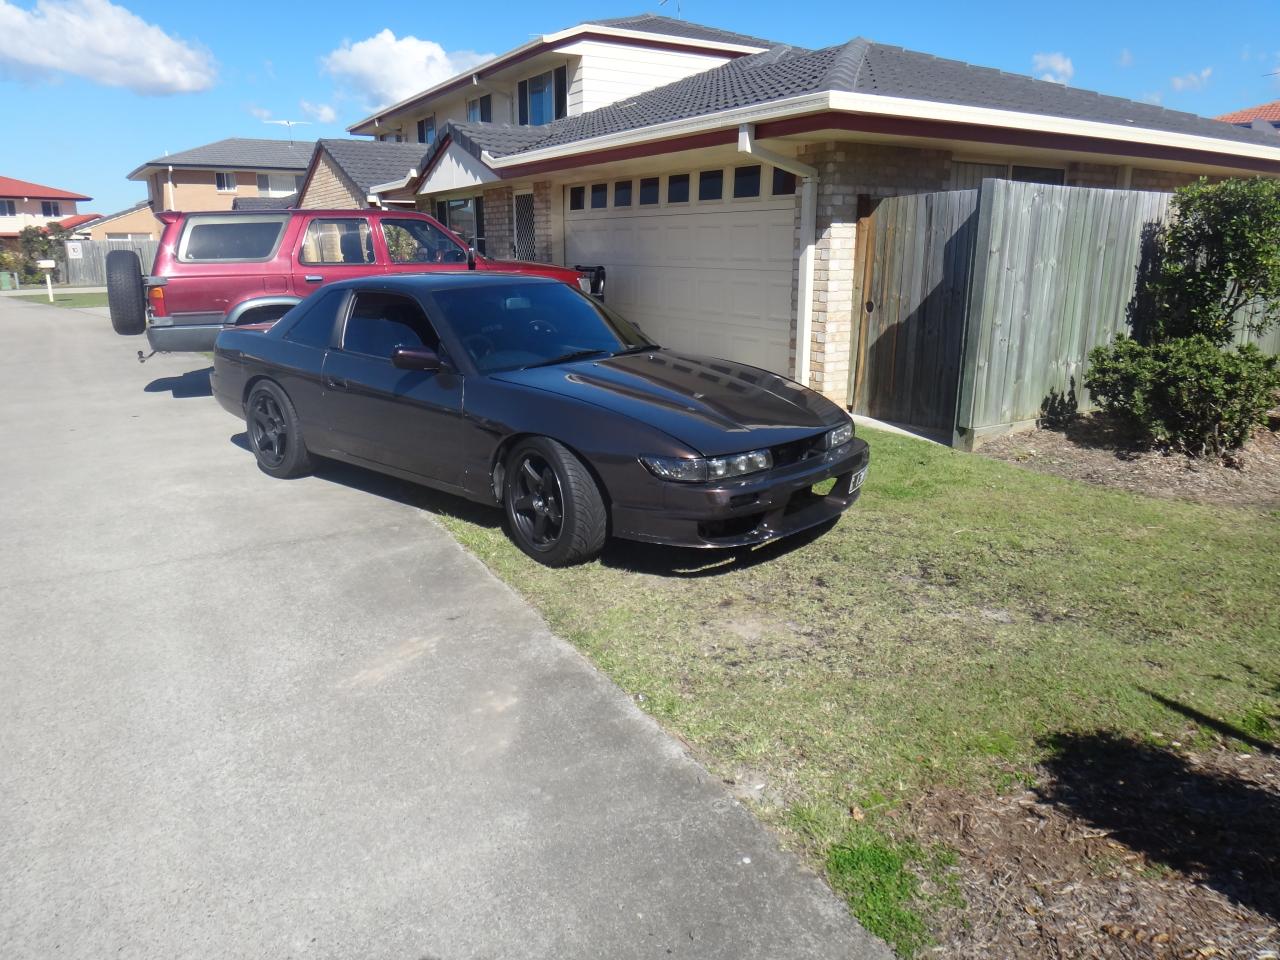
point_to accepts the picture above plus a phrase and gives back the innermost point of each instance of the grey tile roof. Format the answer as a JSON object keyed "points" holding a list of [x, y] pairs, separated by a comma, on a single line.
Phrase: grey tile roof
{"points": [[241, 153], [653, 23], [265, 203], [859, 66], [372, 162]]}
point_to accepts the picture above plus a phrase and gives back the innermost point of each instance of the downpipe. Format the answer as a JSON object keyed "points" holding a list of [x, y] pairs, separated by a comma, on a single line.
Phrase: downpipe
{"points": [[808, 238]]}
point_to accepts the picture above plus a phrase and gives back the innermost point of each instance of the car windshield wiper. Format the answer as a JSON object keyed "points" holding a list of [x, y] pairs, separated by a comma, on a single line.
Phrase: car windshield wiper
{"points": [[574, 355]]}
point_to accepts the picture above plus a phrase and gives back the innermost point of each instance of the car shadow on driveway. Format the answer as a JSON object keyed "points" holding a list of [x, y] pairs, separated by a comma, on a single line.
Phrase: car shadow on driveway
{"points": [[631, 555], [193, 383]]}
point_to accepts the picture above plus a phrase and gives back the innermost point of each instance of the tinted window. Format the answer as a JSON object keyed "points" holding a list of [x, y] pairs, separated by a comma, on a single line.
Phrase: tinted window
{"points": [[512, 325], [311, 322], [599, 195], [746, 181], [231, 238], [380, 322], [622, 193], [783, 183], [417, 241], [711, 185], [338, 241], [577, 198], [649, 190], [678, 188]]}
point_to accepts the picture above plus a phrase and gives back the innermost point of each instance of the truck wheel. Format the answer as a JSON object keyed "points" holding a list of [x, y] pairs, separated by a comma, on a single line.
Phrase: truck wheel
{"points": [[555, 512], [125, 298]]}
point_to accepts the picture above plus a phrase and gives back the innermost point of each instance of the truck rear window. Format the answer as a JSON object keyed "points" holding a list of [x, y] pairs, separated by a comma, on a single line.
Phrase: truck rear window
{"points": [[230, 239]]}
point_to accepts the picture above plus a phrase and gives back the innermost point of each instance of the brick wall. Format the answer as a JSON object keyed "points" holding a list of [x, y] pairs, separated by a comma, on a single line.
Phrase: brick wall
{"points": [[1092, 175], [1165, 181], [330, 189], [542, 221], [497, 223], [846, 170]]}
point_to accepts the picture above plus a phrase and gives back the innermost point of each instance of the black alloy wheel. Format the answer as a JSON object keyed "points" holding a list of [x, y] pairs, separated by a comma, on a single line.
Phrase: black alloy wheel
{"points": [[275, 436], [538, 508], [555, 510]]}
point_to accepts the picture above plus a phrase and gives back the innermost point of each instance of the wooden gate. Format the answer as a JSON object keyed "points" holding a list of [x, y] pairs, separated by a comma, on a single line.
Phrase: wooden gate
{"points": [[911, 278]]}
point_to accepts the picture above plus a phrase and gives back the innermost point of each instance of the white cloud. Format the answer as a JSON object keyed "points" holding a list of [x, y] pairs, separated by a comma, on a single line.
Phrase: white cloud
{"points": [[1125, 59], [262, 113], [1192, 81], [383, 68], [1054, 67], [101, 41], [320, 112]]}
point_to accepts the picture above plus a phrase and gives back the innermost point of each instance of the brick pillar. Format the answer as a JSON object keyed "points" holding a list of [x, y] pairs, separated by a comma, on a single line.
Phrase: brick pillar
{"points": [[542, 239], [498, 211]]}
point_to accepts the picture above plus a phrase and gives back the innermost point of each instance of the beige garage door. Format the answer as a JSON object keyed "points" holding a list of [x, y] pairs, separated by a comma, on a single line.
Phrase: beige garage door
{"points": [[712, 278]]}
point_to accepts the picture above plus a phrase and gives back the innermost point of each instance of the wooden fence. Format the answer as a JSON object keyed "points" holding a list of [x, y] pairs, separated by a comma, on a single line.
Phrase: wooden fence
{"points": [[90, 268], [979, 307]]}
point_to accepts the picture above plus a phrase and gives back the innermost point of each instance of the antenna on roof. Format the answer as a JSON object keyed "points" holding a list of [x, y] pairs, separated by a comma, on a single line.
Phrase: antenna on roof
{"points": [[290, 124], [663, 3]]}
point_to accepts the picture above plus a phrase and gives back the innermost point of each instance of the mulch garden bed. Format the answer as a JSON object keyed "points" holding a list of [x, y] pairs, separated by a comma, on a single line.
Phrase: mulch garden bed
{"points": [[1095, 450]]}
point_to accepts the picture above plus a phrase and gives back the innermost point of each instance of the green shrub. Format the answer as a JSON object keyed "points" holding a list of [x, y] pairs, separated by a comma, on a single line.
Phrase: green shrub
{"points": [[1186, 393]]}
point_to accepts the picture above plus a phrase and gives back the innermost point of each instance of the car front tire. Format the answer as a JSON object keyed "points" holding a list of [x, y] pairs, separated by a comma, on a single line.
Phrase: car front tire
{"points": [[275, 435], [555, 512]]}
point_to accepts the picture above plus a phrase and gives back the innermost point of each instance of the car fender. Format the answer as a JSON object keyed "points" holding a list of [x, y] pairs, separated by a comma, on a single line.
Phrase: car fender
{"points": [[244, 306]]}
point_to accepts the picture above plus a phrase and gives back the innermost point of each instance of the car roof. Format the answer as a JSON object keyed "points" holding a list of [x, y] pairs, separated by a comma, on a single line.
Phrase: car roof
{"points": [[411, 283]]}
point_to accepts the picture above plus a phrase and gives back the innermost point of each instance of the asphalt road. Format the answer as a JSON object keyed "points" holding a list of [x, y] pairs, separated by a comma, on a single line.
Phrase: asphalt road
{"points": [[242, 717]]}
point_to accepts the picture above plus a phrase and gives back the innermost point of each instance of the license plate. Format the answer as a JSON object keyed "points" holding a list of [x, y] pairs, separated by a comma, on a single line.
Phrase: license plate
{"points": [[855, 481]]}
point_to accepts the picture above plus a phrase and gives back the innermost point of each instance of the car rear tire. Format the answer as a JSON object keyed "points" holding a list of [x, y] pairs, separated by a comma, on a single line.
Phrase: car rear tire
{"points": [[125, 297], [555, 512], [275, 435]]}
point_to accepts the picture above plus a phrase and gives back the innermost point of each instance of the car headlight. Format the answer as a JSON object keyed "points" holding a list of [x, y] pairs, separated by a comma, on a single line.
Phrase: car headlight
{"points": [[699, 469], [841, 434], [584, 283]]}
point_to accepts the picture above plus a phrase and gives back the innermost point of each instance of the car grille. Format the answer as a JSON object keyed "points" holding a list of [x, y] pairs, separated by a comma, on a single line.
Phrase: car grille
{"points": [[788, 453]]}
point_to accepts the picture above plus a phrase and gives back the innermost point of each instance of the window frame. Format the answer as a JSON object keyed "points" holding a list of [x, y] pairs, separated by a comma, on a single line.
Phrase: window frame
{"points": [[600, 191], [220, 178], [50, 208], [349, 308], [319, 304], [719, 198], [683, 178], [558, 89], [759, 168], [630, 184], [578, 197], [1008, 169], [302, 245], [195, 220], [483, 105], [8, 207], [656, 183]]}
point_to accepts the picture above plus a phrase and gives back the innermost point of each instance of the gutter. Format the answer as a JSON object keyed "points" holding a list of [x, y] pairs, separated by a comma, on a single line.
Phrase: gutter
{"points": [[808, 237]]}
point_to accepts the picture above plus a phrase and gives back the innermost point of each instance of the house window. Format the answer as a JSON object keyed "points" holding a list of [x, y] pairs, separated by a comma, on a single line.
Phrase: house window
{"points": [[784, 184], [711, 185], [298, 180], [599, 196], [427, 130], [1050, 175], [966, 175], [277, 184], [577, 198], [465, 217], [226, 182], [622, 193], [678, 188], [480, 110], [746, 181], [8, 208], [648, 191], [544, 98], [50, 208]]}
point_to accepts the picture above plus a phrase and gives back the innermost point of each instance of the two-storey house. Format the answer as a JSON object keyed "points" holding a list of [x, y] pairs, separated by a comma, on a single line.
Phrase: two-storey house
{"points": [[24, 204], [215, 175]]}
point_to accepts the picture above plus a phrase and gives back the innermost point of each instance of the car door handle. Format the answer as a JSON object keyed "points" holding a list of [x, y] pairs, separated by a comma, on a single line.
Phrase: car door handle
{"points": [[313, 278], [335, 383]]}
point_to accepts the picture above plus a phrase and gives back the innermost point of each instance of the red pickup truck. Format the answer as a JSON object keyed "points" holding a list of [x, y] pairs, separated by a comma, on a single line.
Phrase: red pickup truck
{"points": [[231, 268]]}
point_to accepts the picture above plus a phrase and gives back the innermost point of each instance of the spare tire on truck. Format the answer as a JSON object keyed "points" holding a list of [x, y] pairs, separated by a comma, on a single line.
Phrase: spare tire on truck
{"points": [[125, 297]]}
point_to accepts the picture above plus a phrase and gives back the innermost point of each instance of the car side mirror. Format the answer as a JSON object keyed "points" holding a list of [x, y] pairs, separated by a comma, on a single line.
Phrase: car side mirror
{"points": [[416, 358], [471, 257]]}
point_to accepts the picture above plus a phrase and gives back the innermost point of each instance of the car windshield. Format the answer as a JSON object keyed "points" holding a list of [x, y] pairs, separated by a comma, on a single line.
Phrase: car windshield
{"points": [[510, 326]]}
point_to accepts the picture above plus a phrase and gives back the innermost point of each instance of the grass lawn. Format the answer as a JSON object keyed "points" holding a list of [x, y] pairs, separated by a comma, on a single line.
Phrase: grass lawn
{"points": [[962, 613], [68, 299]]}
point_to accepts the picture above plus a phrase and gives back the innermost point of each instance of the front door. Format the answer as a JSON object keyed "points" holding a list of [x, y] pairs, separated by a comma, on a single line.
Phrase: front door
{"points": [[334, 248], [410, 420]]}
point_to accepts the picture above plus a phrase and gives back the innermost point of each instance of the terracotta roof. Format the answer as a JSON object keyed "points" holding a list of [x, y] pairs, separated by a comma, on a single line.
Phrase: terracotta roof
{"points": [[1269, 112], [79, 220], [10, 187]]}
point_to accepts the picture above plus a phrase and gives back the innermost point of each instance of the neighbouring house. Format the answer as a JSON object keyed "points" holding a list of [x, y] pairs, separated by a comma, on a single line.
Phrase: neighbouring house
{"points": [[720, 178], [24, 204], [134, 223], [1265, 116], [75, 226], [214, 176], [343, 174]]}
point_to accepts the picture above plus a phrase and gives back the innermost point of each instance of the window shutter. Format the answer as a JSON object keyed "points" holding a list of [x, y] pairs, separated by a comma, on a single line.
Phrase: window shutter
{"points": [[522, 94], [562, 91], [486, 109]]}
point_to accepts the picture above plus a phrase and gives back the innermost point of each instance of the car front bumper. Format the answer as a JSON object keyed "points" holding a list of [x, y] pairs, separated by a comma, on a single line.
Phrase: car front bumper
{"points": [[752, 510]]}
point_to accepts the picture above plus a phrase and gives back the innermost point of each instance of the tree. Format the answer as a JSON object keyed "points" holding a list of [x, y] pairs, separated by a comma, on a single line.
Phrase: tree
{"points": [[41, 243]]}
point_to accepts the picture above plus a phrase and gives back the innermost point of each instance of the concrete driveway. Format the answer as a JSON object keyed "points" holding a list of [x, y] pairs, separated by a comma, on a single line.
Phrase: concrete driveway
{"points": [[244, 717]]}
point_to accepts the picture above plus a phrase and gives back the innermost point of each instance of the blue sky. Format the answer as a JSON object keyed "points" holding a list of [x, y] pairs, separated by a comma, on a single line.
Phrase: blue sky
{"points": [[146, 77]]}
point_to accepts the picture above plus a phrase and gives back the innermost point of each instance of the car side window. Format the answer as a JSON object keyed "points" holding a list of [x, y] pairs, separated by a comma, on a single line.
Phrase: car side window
{"points": [[345, 241], [380, 322], [313, 326], [417, 241]]}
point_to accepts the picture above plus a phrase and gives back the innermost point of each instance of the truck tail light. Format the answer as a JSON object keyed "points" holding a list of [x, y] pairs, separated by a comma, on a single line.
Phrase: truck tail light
{"points": [[156, 297]]}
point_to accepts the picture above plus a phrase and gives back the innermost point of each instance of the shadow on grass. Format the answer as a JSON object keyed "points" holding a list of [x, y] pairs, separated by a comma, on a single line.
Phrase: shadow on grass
{"points": [[193, 383], [1205, 822], [1221, 726], [620, 554]]}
